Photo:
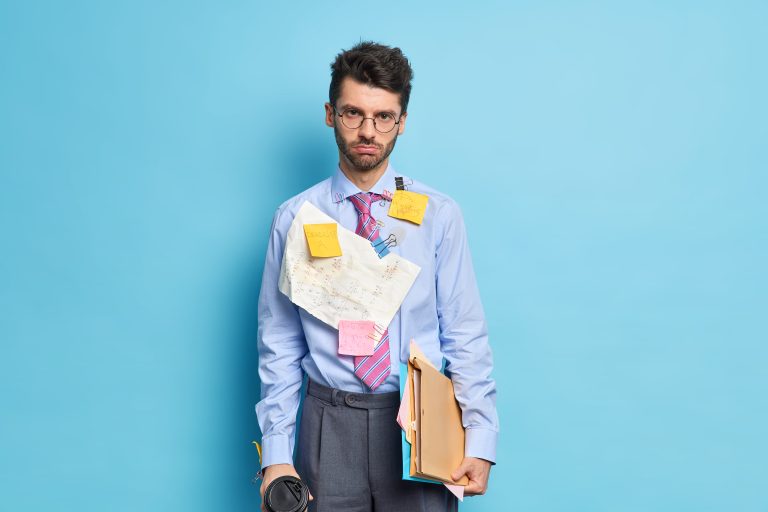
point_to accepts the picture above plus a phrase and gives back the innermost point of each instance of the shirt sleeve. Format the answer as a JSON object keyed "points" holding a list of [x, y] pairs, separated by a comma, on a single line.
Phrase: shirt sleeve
{"points": [[282, 346], [464, 336]]}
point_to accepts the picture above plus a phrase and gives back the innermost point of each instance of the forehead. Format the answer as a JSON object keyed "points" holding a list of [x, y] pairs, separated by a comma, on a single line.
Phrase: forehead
{"points": [[367, 97]]}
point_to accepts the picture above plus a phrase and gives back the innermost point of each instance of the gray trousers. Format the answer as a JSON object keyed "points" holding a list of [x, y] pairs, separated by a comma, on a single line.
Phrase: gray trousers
{"points": [[349, 453]]}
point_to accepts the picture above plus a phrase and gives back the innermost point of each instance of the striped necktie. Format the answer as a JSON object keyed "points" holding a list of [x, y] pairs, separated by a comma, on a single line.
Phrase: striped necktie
{"points": [[373, 369]]}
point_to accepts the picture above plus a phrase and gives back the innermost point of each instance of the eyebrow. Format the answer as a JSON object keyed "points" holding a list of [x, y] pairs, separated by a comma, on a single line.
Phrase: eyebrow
{"points": [[346, 107]]}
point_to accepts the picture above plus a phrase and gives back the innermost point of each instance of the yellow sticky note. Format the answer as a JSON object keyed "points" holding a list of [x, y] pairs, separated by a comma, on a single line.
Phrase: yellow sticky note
{"points": [[323, 239], [408, 205]]}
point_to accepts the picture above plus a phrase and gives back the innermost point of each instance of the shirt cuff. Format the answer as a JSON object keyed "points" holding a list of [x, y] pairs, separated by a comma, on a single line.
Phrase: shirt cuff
{"points": [[481, 443], [276, 449]]}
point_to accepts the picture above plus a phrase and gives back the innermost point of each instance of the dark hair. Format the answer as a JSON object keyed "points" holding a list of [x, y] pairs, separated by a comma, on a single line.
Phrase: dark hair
{"points": [[375, 64]]}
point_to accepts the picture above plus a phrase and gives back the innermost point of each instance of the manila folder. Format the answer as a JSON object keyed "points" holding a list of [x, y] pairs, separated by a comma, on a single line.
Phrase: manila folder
{"points": [[441, 433]]}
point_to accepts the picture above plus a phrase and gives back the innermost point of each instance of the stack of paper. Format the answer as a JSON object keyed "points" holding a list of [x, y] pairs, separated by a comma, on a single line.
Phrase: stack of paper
{"points": [[430, 416]]}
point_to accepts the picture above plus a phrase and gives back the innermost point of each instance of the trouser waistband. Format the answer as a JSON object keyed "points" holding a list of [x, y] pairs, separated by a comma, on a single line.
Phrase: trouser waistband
{"points": [[358, 400]]}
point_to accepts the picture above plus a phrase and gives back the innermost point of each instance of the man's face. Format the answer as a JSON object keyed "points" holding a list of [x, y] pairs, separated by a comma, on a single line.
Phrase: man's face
{"points": [[364, 148]]}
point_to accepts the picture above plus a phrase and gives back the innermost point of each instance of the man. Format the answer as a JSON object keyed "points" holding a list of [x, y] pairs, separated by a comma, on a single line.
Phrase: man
{"points": [[349, 448]]}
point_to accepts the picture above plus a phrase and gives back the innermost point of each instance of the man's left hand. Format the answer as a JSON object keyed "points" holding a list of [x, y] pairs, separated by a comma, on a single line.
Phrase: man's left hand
{"points": [[477, 470]]}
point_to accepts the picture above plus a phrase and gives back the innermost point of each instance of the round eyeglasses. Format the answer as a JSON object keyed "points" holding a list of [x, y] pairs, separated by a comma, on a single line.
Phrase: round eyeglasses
{"points": [[384, 122]]}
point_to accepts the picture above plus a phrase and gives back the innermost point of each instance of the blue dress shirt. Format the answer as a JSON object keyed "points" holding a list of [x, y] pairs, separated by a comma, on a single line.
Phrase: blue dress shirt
{"points": [[442, 312]]}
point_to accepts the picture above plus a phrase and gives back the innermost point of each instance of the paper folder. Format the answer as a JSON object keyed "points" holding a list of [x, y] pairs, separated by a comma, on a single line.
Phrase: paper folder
{"points": [[438, 434], [407, 447]]}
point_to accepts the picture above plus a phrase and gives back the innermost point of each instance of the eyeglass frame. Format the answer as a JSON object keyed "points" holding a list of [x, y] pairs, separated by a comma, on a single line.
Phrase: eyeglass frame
{"points": [[341, 115]]}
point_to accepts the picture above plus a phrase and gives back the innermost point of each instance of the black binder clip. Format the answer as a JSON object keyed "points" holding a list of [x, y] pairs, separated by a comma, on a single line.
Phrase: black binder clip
{"points": [[399, 183]]}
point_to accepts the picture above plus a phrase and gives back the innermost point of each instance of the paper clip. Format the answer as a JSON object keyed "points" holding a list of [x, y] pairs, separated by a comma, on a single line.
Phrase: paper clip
{"points": [[390, 241], [377, 334], [382, 246], [402, 183], [381, 250]]}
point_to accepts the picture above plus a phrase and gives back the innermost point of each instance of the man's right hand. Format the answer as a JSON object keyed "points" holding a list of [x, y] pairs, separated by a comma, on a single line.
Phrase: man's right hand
{"points": [[276, 471]]}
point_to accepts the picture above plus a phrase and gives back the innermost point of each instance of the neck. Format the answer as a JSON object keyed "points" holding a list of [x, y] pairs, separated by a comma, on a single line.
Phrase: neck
{"points": [[363, 180]]}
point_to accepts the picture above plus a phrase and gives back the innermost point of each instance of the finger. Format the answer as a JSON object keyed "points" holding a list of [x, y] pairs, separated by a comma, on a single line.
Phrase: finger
{"points": [[261, 491], [311, 498], [473, 488], [460, 471]]}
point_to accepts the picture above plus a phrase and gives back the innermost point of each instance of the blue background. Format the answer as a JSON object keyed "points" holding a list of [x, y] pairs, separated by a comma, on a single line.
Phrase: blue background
{"points": [[610, 162]]}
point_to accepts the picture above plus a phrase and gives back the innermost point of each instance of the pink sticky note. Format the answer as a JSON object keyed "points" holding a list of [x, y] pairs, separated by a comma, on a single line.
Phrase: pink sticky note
{"points": [[457, 490], [355, 337]]}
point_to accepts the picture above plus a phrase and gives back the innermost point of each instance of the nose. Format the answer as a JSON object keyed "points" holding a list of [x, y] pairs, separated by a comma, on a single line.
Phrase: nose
{"points": [[367, 130]]}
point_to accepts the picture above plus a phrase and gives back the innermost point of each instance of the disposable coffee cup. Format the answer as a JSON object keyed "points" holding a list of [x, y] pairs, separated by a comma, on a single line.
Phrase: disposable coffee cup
{"points": [[286, 494]]}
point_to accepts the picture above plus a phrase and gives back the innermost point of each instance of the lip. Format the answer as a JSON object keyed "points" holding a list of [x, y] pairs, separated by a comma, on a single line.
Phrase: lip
{"points": [[366, 150]]}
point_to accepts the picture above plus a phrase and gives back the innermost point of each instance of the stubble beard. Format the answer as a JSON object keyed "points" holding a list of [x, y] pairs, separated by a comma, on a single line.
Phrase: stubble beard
{"points": [[363, 162]]}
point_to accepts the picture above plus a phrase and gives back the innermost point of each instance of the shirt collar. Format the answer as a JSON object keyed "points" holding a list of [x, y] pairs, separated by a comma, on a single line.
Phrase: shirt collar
{"points": [[341, 187]]}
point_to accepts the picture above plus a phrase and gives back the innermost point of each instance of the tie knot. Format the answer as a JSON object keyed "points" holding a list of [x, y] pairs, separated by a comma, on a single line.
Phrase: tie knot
{"points": [[363, 201]]}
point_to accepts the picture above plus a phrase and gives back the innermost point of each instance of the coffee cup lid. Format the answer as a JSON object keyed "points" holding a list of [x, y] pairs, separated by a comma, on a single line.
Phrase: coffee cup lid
{"points": [[286, 494]]}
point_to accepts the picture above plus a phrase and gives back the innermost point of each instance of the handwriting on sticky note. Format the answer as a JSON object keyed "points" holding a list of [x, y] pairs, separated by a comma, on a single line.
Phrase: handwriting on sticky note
{"points": [[408, 205], [356, 337], [323, 240]]}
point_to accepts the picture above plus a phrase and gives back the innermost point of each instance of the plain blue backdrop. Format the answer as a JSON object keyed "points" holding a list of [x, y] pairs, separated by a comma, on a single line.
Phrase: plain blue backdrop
{"points": [[610, 160]]}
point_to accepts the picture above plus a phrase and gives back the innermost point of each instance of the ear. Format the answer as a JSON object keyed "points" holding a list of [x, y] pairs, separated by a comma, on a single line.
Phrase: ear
{"points": [[329, 115], [401, 126]]}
